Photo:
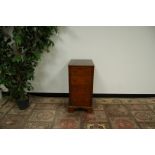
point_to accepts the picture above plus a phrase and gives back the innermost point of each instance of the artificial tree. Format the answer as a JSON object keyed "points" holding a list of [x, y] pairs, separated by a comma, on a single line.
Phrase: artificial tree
{"points": [[20, 51]]}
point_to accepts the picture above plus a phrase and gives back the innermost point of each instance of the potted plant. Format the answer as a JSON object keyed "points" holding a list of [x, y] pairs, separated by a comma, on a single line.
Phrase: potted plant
{"points": [[20, 51]]}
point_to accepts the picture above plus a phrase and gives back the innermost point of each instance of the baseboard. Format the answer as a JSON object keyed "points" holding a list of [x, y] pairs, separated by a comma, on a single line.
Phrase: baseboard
{"points": [[94, 95], [49, 94], [124, 95]]}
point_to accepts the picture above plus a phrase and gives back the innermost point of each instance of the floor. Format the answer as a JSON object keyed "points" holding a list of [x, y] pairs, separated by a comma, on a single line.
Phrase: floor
{"points": [[50, 112]]}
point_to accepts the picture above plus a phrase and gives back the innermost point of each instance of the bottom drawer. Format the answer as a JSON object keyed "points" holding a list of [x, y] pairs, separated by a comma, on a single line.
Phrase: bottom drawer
{"points": [[80, 101], [80, 97]]}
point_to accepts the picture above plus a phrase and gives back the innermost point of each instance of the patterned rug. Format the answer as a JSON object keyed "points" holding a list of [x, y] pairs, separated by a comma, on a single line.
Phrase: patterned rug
{"points": [[52, 113]]}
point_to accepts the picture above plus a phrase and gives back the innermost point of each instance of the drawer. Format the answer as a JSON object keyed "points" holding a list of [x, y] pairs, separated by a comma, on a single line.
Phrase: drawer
{"points": [[80, 99], [83, 89], [81, 96], [80, 71], [80, 80]]}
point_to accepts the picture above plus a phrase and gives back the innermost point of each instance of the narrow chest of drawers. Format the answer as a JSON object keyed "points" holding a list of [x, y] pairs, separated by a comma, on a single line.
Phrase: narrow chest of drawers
{"points": [[81, 73]]}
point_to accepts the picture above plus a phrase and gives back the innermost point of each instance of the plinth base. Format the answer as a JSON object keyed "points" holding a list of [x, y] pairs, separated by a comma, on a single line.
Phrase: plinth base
{"points": [[73, 108]]}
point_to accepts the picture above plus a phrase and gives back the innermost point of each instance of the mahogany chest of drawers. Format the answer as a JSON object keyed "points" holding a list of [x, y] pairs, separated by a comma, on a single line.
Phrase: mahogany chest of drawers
{"points": [[81, 73]]}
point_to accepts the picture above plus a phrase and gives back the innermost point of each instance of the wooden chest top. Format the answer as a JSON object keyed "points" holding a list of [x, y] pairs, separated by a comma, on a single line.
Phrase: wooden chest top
{"points": [[81, 62]]}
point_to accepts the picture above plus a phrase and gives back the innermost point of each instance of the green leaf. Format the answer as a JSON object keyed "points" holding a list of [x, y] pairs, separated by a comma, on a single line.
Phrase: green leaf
{"points": [[17, 58], [18, 40]]}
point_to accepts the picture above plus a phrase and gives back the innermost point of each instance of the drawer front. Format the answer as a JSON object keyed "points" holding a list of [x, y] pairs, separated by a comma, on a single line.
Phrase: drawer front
{"points": [[81, 75], [80, 96], [81, 89], [78, 101], [80, 80], [80, 71]]}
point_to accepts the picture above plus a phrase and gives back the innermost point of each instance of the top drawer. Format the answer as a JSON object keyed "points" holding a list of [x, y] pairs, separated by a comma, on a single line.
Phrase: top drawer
{"points": [[80, 71]]}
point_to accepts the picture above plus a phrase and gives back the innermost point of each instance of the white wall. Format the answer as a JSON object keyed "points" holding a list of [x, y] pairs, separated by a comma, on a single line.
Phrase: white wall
{"points": [[124, 59]]}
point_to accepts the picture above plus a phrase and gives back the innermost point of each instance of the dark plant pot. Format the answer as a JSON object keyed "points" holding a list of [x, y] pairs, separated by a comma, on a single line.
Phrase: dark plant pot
{"points": [[23, 104]]}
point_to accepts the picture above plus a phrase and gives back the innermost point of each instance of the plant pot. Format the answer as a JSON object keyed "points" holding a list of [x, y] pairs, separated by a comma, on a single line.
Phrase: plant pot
{"points": [[23, 104]]}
